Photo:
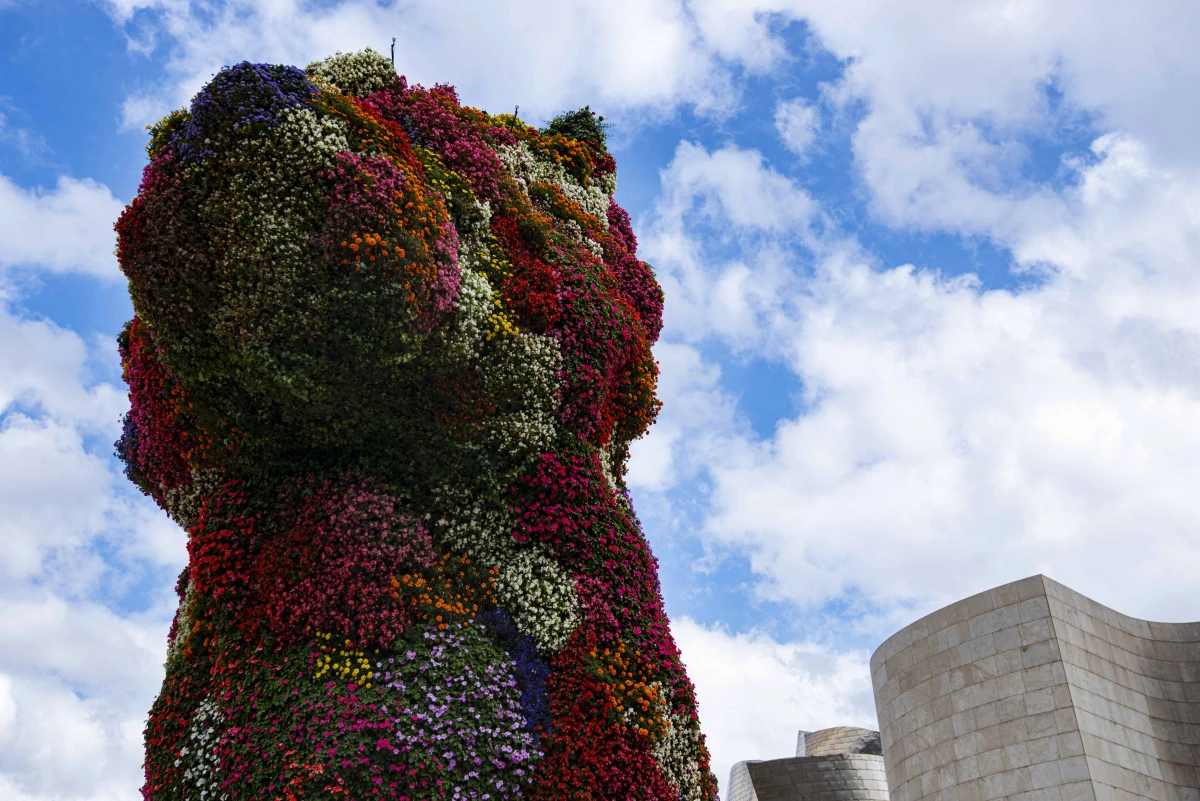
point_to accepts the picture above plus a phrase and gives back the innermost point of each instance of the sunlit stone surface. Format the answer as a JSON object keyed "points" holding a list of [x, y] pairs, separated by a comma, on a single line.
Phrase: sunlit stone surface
{"points": [[1031, 691], [838, 764]]}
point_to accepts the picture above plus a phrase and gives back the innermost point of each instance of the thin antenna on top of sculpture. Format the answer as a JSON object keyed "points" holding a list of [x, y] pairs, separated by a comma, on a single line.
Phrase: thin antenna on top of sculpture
{"points": [[515, 110], [393, 52]]}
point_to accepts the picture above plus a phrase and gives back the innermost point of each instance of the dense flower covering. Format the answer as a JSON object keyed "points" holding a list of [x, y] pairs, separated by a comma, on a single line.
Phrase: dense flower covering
{"points": [[387, 358]]}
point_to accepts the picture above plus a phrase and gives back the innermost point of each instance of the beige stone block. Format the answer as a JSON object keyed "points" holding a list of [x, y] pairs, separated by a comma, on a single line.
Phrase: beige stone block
{"points": [[1016, 781], [1062, 696], [990, 762], [1011, 708], [1044, 774], [1077, 791], [1043, 749], [1034, 609], [1042, 724], [1007, 638], [1035, 678], [1039, 653], [978, 604], [941, 731], [992, 787], [1010, 661], [976, 649], [959, 633], [1069, 744], [1051, 793], [1014, 756], [941, 684], [967, 769], [963, 722], [966, 745], [944, 777], [1009, 616], [1035, 630], [990, 737], [1005, 595], [1014, 731], [941, 707], [1064, 720], [984, 624], [1039, 701], [943, 753], [1031, 587], [1073, 769], [1009, 684]]}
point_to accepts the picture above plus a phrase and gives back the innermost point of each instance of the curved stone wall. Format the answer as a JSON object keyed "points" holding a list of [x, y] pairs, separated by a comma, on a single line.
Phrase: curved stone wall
{"points": [[835, 777], [1031, 691], [838, 740], [838, 766]]}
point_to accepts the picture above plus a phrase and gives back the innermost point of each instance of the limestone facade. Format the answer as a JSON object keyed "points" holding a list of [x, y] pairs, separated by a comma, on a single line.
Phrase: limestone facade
{"points": [[1033, 692]]}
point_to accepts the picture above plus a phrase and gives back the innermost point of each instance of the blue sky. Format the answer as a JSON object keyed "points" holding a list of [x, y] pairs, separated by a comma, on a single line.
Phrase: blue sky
{"points": [[932, 294]]}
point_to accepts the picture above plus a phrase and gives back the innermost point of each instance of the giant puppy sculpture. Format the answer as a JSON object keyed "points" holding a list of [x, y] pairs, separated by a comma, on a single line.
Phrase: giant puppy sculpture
{"points": [[388, 356]]}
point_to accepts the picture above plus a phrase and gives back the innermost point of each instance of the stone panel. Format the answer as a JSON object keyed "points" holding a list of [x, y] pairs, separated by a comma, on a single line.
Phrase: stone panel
{"points": [[838, 740], [1033, 692], [834, 777]]}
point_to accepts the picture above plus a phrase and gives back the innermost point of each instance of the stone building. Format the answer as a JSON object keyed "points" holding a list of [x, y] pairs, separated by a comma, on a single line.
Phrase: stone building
{"points": [[1033, 692], [838, 764]]}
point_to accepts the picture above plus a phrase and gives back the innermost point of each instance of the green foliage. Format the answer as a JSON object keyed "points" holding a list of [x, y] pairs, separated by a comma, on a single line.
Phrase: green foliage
{"points": [[581, 124]]}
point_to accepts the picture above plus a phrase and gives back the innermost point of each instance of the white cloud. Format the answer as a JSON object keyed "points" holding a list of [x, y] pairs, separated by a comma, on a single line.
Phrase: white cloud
{"points": [[954, 438], [754, 693], [953, 94], [735, 192], [732, 185], [67, 230], [77, 674], [44, 462], [46, 368], [691, 388], [52, 416], [1126, 62], [77, 737], [797, 122], [544, 55]]}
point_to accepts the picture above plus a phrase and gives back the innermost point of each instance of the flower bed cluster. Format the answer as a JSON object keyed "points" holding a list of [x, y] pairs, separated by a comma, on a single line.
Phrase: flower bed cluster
{"points": [[387, 358]]}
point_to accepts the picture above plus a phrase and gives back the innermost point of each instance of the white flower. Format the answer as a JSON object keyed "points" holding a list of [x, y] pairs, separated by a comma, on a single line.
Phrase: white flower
{"points": [[528, 168], [358, 74], [203, 733], [678, 754], [540, 596]]}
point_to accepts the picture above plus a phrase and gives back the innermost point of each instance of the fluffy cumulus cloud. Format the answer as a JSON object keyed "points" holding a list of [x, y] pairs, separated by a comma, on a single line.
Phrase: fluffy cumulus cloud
{"points": [[75, 682], [68, 229], [952, 93], [755, 212], [645, 57], [955, 437], [797, 122], [79, 665]]}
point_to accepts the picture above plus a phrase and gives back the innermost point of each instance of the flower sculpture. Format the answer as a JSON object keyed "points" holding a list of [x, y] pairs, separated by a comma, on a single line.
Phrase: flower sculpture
{"points": [[387, 358]]}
